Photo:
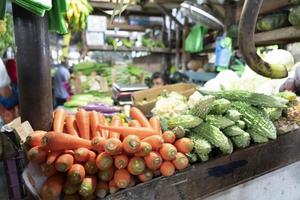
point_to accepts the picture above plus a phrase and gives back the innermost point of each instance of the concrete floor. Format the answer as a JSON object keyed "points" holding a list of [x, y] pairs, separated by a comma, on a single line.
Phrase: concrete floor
{"points": [[282, 184]]}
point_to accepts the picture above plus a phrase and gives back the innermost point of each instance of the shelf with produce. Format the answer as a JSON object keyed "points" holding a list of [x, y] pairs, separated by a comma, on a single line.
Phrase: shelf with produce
{"points": [[278, 36], [127, 27], [125, 49]]}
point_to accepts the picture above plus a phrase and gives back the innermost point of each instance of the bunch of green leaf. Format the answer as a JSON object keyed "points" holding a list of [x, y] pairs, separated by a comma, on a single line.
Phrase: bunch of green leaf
{"points": [[7, 38]]}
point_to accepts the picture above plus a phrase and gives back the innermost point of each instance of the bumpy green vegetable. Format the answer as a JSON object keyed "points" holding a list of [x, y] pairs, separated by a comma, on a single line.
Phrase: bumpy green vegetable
{"points": [[274, 113], [257, 137], [241, 124], [254, 99], [220, 106], [201, 147], [257, 120], [233, 115], [214, 136], [233, 131], [218, 121], [241, 141], [203, 106], [192, 156], [185, 121], [272, 21]]}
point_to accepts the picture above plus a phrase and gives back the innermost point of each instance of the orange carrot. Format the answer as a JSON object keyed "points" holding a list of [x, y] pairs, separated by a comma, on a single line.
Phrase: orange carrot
{"points": [[144, 150], [52, 187], [131, 144], [184, 145], [52, 156], [103, 121], [55, 141], [113, 146], [116, 121], [122, 178], [90, 166], [168, 151], [156, 141], [81, 154], [88, 186], [70, 188], [121, 161], [155, 124], [36, 155], [167, 168], [136, 166], [94, 122], [35, 139], [134, 123], [101, 189], [48, 170], [59, 120], [113, 188], [98, 144], [153, 161], [125, 131], [181, 161], [169, 137], [71, 126], [83, 123], [76, 174], [147, 175], [138, 115], [106, 175], [104, 161], [64, 162], [75, 196]]}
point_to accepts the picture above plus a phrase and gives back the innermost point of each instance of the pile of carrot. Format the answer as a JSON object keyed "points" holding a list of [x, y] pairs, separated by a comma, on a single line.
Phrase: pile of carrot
{"points": [[88, 156]]}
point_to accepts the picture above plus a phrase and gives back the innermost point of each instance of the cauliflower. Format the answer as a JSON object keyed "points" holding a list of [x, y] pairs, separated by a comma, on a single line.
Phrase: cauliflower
{"points": [[172, 105]]}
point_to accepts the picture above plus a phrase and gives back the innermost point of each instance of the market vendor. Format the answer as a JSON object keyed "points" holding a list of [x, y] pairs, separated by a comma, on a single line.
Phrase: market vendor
{"points": [[158, 80], [61, 82]]}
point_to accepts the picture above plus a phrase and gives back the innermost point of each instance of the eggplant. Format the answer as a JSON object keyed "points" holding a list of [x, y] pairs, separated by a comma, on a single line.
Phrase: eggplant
{"points": [[101, 107], [247, 44]]}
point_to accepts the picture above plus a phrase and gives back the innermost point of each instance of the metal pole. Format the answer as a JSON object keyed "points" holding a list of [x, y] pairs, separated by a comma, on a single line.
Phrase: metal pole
{"points": [[34, 78]]}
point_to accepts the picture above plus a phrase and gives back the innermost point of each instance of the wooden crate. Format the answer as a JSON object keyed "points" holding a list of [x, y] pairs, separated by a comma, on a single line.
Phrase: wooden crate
{"points": [[204, 179]]}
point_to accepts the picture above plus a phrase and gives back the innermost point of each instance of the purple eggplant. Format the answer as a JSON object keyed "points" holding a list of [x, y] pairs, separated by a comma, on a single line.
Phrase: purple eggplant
{"points": [[101, 107]]}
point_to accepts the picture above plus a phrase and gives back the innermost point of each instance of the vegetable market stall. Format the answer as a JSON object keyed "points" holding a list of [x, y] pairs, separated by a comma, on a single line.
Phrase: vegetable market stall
{"points": [[197, 181]]}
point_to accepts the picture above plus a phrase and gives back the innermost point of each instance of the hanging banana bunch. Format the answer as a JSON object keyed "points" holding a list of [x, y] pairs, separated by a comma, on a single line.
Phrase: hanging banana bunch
{"points": [[78, 11], [2, 17]]}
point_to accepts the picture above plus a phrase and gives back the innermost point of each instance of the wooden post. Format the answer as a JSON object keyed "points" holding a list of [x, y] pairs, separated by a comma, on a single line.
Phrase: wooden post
{"points": [[177, 58], [34, 78], [185, 33]]}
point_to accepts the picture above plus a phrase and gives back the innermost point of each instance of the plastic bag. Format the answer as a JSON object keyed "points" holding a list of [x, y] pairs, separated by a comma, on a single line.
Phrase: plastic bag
{"points": [[4, 78], [194, 41]]}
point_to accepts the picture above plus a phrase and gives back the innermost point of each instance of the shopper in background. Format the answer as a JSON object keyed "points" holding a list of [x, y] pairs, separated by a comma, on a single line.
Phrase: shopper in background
{"points": [[158, 80], [8, 96], [61, 81]]}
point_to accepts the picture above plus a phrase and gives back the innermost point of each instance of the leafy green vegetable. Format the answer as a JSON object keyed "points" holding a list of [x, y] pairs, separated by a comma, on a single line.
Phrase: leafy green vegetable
{"points": [[7, 38]]}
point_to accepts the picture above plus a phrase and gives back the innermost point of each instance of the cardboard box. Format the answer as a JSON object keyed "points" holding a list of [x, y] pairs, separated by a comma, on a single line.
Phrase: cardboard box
{"points": [[145, 100]]}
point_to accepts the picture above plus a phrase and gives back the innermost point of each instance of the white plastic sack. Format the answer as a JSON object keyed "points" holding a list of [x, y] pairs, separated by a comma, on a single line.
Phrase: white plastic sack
{"points": [[4, 78]]}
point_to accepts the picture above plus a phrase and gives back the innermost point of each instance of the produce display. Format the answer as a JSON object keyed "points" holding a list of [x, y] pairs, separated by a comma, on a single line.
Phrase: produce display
{"points": [[221, 121], [88, 156]]}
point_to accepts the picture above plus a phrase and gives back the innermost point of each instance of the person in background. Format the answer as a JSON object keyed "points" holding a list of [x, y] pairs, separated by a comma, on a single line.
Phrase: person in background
{"points": [[157, 80], [61, 80], [8, 96]]}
